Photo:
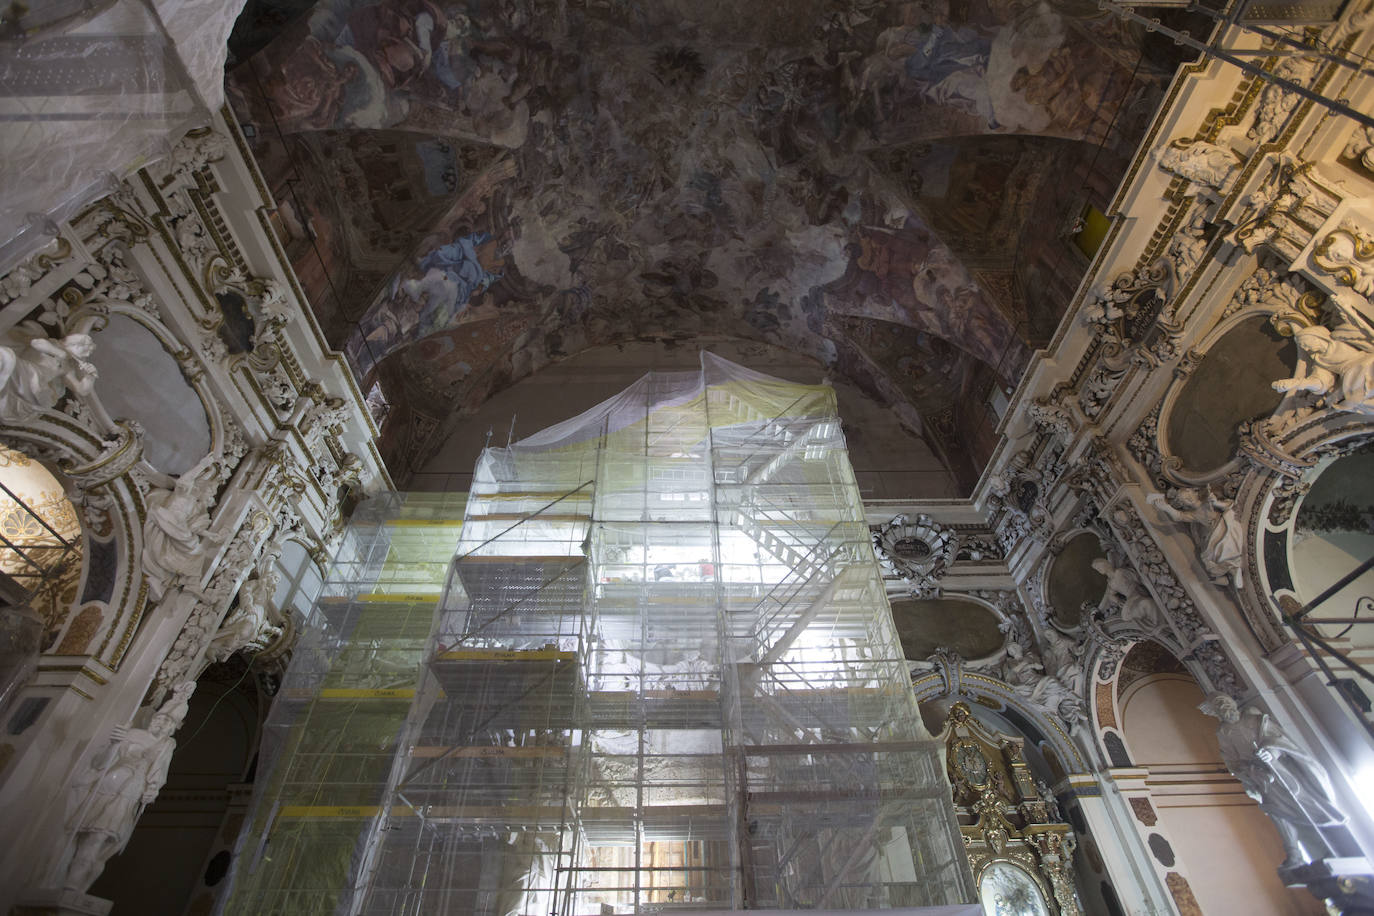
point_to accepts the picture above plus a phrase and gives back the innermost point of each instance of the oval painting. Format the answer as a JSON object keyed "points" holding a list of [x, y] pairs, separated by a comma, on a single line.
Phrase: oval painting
{"points": [[924, 626], [1233, 383], [1072, 581]]}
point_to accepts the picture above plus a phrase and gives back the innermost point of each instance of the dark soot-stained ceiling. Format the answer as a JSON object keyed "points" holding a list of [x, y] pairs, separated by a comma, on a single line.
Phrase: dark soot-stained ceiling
{"points": [[882, 187]]}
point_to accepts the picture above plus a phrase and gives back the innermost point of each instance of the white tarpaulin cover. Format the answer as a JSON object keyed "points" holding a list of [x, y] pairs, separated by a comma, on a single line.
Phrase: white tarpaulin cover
{"points": [[88, 100]]}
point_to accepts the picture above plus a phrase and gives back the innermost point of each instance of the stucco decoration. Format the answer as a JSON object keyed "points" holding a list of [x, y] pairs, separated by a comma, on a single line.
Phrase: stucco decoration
{"points": [[1207, 167], [1126, 599], [1339, 367], [1037, 680], [1360, 147], [917, 550], [177, 531], [255, 623], [1347, 253]]}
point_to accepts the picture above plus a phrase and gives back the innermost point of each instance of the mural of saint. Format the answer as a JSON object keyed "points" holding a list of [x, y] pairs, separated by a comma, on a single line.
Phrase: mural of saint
{"points": [[431, 296]]}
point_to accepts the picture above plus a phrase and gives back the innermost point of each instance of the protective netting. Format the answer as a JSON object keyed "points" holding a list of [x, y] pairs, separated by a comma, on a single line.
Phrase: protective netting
{"points": [[664, 675], [92, 91], [335, 727]]}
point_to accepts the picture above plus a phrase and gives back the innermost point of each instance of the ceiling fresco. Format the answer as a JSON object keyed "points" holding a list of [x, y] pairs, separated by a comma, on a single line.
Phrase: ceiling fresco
{"points": [[470, 191]]}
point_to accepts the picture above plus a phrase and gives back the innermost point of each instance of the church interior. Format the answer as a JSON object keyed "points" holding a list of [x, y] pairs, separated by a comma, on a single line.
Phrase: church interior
{"points": [[582, 457]]}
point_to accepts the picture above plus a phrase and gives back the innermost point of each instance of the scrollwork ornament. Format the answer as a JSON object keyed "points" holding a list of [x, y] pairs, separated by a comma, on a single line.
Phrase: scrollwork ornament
{"points": [[1347, 253], [17, 283], [118, 454], [1157, 575], [919, 551]]}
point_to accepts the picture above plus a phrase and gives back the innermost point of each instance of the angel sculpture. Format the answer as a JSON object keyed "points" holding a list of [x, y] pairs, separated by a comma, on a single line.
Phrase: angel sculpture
{"points": [[36, 370], [1218, 532]]}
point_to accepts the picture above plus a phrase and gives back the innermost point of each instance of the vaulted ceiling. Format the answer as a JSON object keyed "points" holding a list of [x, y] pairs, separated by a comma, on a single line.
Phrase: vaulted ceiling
{"points": [[470, 191]]}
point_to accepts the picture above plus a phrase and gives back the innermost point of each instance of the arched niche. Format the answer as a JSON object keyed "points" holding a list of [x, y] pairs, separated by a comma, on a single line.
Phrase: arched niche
{"points": [[1325, 538], [44, 550], [967, 627], [140, 380], [1232, 383], [1214, 846], [1071, 581]]}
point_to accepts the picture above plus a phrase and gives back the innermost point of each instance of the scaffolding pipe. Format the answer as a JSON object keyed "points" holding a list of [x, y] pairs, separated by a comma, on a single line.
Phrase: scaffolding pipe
{"points": [[803, 621], [1183, 38]]}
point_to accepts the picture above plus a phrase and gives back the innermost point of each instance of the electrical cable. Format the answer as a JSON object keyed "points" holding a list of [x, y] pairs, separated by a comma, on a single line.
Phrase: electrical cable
{"points": [[246, 668]]}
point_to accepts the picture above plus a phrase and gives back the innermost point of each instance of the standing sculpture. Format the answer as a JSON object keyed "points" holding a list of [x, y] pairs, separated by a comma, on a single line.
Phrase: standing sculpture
{"points": [[1288, 782], [123, 778], [1219, 533], [178, 527]]}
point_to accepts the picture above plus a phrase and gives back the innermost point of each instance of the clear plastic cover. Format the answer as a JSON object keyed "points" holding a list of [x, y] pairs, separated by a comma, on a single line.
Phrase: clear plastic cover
{"points": [[664, 675], [92, 93]]}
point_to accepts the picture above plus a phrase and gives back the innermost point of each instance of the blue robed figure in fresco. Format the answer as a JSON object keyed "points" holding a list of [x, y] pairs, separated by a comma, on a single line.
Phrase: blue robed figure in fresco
{"points": [[952, 65], [450, 275]]}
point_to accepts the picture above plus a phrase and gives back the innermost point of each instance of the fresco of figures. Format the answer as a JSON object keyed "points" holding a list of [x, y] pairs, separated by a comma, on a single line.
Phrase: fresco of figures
{"points": [[593, 172]]}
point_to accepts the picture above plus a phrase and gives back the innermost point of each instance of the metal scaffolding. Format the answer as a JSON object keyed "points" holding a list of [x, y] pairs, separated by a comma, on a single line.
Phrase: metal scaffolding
{"points": [[663, 675]]}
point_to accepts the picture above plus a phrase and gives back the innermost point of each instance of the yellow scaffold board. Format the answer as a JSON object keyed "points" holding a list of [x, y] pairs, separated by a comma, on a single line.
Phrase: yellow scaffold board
{"points": [[425, 523], [352, 693], [399, 597]]}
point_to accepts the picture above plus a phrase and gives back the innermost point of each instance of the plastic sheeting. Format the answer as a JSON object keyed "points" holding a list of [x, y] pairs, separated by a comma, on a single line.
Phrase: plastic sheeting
{"points": [[88, 98], [663, 676]]}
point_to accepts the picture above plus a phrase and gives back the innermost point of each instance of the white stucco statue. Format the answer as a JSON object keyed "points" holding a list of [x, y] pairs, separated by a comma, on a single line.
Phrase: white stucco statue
{"points": [[36, 370], [1288, 782], [1063, 658], [1202, 163], [178, 527], [1027, 677], [1219, 533], [123, 778], [251, 624], [1343, 370], [1125, 591]]}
